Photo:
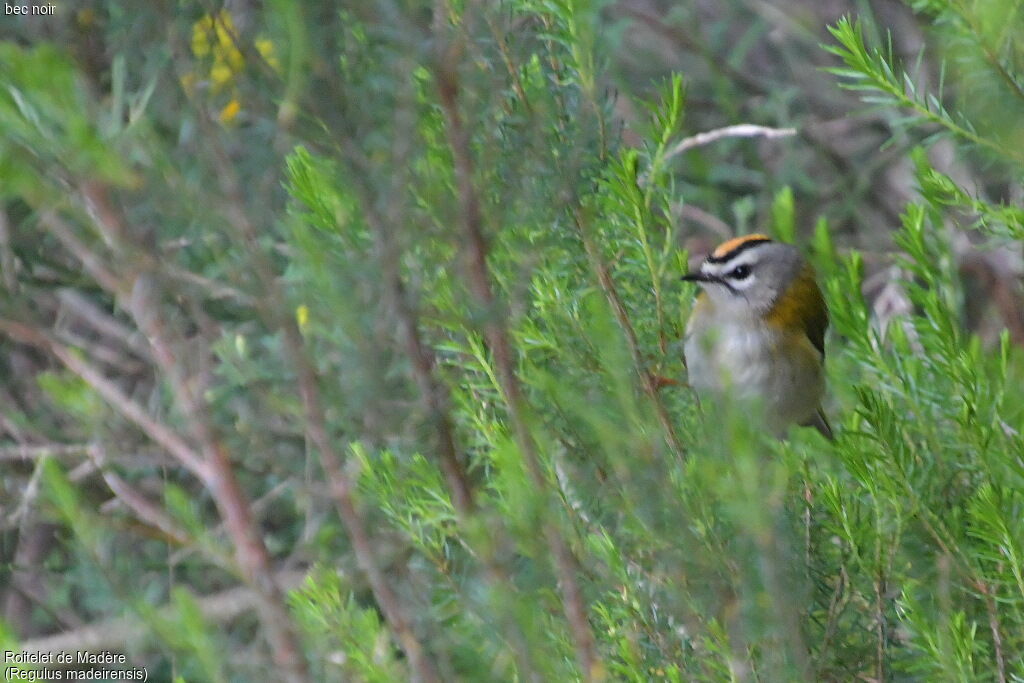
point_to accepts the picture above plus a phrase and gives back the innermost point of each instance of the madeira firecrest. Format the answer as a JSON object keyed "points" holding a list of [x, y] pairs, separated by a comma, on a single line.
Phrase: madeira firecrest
{"points": [[758, 331]]}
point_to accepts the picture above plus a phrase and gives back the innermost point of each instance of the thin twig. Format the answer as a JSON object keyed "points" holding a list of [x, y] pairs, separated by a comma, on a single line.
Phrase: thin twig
{"points": [[231, 500], [835, 608], [808, 505], [112, 394], [704, 218], [993, 625], [215, 289], [435, 398], [35, 541], [144, 510], [35, 452], [93, 264], [134, 290], [124, 632], [647, 381], [740, 130], [111, 357], [434, 394], [341, 488], [29, 494], [7, 260], [881, 630], [82, 307]]}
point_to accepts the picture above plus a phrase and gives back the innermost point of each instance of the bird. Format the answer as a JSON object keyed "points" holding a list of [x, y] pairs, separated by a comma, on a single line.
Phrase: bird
{"points": [[757, 332]]}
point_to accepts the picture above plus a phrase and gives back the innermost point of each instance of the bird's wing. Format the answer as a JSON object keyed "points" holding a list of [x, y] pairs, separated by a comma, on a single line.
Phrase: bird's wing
{"points": [[819, 422], [816, 318]]}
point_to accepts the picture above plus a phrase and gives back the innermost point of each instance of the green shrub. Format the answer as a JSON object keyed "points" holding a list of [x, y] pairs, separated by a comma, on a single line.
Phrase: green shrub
{"points": [[405, 298]]}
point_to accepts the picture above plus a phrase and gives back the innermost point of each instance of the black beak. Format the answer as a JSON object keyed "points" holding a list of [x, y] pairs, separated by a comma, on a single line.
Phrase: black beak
{"points": [[703, 277]]}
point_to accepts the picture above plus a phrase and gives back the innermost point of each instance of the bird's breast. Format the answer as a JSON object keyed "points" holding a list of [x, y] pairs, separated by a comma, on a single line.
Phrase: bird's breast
{"points": [[745, 359]]}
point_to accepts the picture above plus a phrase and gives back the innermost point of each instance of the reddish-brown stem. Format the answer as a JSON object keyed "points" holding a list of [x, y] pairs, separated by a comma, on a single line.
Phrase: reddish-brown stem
{"points": [[993, 624], [650, 383], [136, 292], [341, 486], [478, 276], [433, 393], [881, 630]]}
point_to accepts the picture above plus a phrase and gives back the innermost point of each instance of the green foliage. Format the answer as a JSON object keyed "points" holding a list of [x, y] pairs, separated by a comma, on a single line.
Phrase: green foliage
{"points": [[784, 215], [982, 45], [388, 165], [46, 116], [994, 219], [876, 73], [185, 630], [355, 642], [926, 479], [71, 394]]}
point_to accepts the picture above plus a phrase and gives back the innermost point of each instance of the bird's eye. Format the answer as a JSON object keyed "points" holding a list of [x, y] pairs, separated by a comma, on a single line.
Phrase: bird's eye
{"points": [[740, 272]]}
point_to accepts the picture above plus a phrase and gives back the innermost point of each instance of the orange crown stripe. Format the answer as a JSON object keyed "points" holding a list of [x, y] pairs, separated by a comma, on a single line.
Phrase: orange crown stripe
{"points": [[726, 248]]}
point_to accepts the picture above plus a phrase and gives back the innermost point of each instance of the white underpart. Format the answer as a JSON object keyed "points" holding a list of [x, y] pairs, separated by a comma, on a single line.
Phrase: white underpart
{"points": [[744, 360]]}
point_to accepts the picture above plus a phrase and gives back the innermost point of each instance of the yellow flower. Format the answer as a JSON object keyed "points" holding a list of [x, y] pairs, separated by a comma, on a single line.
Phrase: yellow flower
{"points": [[215, 36], [230, 111], [220, 75], [269, 53], [201, 31], [302, 317], [215, 43]]}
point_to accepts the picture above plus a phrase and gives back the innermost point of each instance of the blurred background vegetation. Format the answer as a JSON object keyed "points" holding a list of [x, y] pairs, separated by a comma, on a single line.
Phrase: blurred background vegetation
{"points": [[333, 337]]}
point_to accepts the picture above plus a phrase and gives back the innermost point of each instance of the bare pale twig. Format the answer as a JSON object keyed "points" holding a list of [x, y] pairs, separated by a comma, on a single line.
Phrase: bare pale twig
{"points": [[7, 261], [704, 218], [215, 289], [112, 394], [82, 307], [94, 265], [740, 130], [111, 228], [124, 632], [143, 509], [109, 356], [35, 452], [28, 497], [231, 500], [212, 465], [19, 432]]}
